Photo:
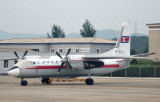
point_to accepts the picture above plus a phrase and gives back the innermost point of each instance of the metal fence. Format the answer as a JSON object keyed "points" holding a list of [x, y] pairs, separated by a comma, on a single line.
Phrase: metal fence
{"points": [[137, 72]]}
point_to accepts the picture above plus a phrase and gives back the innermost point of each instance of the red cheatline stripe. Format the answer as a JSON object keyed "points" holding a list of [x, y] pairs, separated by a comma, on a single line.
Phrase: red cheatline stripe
{"points": [[56, 67], [110, 66]]}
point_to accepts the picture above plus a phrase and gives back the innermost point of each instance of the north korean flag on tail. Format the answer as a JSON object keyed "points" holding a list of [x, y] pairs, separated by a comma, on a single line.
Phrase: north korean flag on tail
{"points": [[125, 39]]}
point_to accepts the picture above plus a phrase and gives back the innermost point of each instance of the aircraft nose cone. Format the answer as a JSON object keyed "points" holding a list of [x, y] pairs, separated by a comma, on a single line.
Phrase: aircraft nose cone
{"points": [[14, 72]]}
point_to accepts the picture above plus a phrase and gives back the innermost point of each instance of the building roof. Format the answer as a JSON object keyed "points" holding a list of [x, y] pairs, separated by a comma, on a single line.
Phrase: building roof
{"points": [[55, 40]]}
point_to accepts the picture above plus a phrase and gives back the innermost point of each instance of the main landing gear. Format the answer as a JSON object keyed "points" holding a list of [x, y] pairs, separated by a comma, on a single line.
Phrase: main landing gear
{"points": [[24, 82], [89, 80], [46, 81]]}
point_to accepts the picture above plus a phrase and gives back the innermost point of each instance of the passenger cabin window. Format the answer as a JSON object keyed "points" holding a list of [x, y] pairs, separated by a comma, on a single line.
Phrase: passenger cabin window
{"points": [[60, 51], [35, 50], [97, 50], [52, 50], [5, 63]]}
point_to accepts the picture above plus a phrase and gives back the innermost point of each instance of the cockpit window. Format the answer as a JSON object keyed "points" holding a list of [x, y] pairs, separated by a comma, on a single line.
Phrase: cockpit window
{"points": [[15, 67]]}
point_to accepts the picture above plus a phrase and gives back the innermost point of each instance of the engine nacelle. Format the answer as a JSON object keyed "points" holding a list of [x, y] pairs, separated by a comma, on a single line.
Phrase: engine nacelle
{"points": [[86, 64]]}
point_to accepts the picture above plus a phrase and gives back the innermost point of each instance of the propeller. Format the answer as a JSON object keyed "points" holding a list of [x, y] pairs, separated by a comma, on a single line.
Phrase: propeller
{"points": [[16, 54], [64, 60], [25, 53]]}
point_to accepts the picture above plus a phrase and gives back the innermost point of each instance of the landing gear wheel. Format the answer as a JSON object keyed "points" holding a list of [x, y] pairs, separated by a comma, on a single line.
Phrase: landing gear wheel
{"points": [[24, 83], [46, 81], [89, 81]]}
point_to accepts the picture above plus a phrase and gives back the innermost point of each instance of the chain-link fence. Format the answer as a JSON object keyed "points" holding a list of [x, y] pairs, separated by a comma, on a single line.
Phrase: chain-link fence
{"points": [[137, 72]]}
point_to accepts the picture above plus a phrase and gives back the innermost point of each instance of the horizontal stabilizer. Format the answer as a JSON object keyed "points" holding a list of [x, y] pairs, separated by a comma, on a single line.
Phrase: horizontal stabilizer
{"points": [[145, 54]]}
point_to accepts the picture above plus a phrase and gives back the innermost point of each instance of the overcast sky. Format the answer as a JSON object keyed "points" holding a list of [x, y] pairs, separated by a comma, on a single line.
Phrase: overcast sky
{"points": [[38, 16]]}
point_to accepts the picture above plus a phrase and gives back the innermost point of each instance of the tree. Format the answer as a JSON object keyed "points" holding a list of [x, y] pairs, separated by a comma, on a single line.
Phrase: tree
{"points": [[115, 39], [133, 52], [57, 32], [48, 36], [88, 29], [146, 49]]}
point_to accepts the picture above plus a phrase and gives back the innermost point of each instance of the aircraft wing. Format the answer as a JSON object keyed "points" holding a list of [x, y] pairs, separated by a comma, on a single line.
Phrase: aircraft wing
{"points": [[14, 58], [115, 57], [15, 49], [145, 54]]}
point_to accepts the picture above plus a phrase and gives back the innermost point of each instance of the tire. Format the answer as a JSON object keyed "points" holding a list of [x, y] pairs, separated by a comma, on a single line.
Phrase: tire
{"points": [[24, 83], [45, 81], [89, 81]]}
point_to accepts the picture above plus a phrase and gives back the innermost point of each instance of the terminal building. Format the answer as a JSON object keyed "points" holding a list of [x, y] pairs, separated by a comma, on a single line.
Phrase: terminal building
{"points": [[154, 39], [47, 47]]}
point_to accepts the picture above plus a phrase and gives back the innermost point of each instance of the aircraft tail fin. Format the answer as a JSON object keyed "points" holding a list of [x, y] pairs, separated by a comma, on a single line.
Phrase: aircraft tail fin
{"points": [[123, 42], [122, 46]]}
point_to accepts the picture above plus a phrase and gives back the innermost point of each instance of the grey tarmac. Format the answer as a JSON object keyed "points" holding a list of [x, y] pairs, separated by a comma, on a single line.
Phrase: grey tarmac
{"points": [[105, 89]]}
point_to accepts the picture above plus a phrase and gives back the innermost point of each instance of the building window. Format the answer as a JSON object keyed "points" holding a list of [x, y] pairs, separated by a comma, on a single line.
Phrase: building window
{"points": [[35, 50], [98, 50], [85, 50], [60, 50], [5, 63], [107, 49], [15, 61], [77, 50], [52, 50]]}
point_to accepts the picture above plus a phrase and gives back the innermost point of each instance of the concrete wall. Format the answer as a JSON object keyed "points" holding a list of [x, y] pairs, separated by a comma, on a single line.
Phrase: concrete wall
{"points": [[102, 47], [66, 46], [154, 42]]}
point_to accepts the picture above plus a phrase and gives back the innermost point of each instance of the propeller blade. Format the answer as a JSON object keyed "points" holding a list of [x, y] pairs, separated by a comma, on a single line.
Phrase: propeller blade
{"points": [[60, 67], [69, 50], [58, 54], [16, 54], [25, 54], [69, 65]]}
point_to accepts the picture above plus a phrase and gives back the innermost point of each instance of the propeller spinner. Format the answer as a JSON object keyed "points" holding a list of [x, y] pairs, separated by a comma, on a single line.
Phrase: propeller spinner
{"points": [[64, 60]]}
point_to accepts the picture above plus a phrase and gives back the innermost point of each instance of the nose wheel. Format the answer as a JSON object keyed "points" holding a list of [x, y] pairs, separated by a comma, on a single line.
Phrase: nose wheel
{"points": [[24, 82]]}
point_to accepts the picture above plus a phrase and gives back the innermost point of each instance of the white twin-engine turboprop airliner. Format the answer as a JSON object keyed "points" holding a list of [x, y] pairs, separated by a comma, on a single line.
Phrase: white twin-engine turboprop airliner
{"points": [[71, 66]]}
